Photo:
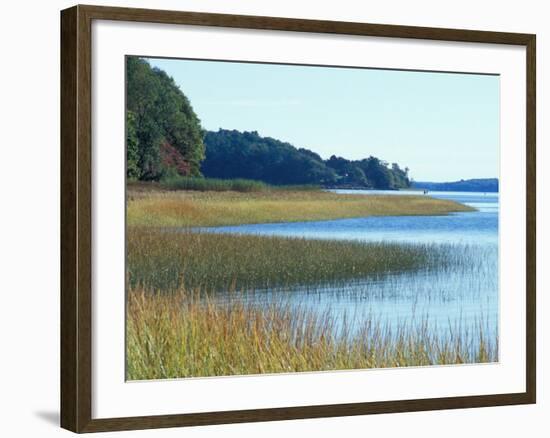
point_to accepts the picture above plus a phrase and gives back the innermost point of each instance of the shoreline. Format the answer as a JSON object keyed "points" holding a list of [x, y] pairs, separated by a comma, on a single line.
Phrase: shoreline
{"points": [[188, 208], [186, 317]]}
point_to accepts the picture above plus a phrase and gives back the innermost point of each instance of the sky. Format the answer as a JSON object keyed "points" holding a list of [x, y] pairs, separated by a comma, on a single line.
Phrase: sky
{"points": [[442, 126]]}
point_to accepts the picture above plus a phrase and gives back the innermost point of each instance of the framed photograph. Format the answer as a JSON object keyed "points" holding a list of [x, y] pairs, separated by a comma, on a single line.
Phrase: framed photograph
{"points": [[272, 218]]}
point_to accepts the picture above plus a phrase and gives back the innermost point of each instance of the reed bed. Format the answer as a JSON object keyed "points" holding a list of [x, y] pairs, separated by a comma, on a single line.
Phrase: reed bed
{"points": [[184, 334], [165, 208], [213, 184], [177, 182], [207, 304], [167, 260]]}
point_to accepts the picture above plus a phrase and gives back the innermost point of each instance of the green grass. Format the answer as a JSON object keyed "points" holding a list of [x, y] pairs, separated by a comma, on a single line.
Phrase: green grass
{"points": [[181, 335], [213, 184], [167, 260], [165, 208], [178, 182]]}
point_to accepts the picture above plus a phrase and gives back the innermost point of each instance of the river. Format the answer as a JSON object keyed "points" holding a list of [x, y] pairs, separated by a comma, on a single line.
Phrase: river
{"points": [[450, 301]]}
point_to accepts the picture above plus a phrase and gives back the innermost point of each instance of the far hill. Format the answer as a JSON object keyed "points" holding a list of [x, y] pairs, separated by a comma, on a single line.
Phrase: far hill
{"points": [[464, 185]]}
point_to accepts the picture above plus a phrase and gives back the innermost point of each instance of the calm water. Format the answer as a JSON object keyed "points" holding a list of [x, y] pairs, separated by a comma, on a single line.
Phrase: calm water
{"points": [[480, 227], [460, 296]]}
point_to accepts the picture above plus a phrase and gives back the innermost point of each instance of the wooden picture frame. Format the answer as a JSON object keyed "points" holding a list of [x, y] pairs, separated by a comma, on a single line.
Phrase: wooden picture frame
{"points": [[76, 218]]}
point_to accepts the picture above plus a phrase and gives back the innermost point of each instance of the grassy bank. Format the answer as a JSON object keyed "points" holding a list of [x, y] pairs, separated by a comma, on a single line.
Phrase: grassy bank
{"points": [[211, 208], [176, 182], [168, 260], [213, 184], [175, 335]]}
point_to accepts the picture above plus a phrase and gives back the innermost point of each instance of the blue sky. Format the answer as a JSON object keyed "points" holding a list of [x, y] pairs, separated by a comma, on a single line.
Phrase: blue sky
{"points": [[443, 126]]}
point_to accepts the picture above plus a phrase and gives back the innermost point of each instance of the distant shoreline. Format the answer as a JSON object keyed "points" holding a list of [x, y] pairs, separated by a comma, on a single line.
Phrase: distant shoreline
{"points": [[487, 185]]}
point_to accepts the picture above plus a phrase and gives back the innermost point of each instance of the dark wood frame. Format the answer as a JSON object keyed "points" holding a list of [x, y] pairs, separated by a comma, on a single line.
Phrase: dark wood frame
{"points": [[76, 225]]}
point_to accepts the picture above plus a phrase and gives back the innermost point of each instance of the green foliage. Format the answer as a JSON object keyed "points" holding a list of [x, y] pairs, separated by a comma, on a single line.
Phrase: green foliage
{"points": [[163, 132], [180, 124], [132, 151], [234, 154], [141, 93], [157, 112]]}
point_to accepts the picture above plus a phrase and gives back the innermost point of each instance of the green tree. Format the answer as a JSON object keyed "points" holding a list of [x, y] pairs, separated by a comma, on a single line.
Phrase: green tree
{"points": [[132, 152], [234, 154], [161, 113], [164, 135], [179, 123]]}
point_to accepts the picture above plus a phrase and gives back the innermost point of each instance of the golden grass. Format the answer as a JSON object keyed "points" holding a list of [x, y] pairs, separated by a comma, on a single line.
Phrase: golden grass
{"points": [[179, 335], [173, 331], [191, 208]]}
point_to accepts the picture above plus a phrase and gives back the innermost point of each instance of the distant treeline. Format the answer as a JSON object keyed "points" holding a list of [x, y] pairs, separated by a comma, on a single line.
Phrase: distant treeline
{"points": [[164, 138], [464, 185], [234, 154]]}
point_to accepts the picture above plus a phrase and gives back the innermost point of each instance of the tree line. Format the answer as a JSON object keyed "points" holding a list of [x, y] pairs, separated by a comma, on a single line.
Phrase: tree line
{"points": [[464, 185], [234, 154], [164, 137]]}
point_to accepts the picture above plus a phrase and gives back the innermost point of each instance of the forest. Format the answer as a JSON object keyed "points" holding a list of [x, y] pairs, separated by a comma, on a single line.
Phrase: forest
{"points": [[464, 185], [164, 138]]}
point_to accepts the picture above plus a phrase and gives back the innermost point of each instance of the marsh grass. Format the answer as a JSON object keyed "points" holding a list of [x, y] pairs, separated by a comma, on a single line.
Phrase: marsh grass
{"points": [[164, 208], [213, 184], [178, 182], [206, 304], [184, 334], [167, 260]]}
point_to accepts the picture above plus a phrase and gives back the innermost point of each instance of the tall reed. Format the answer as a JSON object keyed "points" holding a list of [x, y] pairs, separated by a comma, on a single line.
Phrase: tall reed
{"points": [[166, 260], [213, 184], [185, 334]]}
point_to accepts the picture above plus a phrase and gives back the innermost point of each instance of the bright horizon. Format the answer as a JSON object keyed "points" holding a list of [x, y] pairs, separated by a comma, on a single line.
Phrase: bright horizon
{"points": [[442, 126]]}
